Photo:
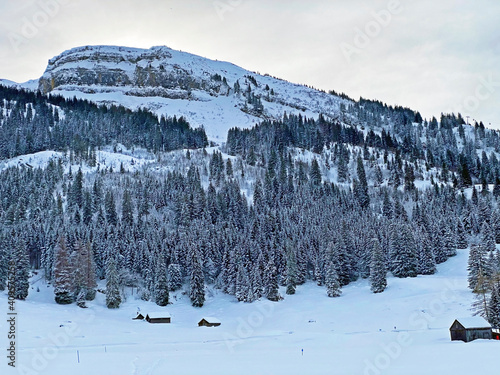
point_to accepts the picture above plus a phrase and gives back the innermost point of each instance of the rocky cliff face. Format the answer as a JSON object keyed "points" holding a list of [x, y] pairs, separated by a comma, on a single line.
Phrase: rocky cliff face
{"points": [[103, 66]]}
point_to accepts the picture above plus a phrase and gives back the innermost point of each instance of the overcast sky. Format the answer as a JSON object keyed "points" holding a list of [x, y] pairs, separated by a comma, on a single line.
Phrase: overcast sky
{"points": [[432, 56]]}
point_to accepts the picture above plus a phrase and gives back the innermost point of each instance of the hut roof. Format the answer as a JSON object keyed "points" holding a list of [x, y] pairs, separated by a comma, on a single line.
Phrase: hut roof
{"points": [[210, 319], [474, 322], [158, 314]]}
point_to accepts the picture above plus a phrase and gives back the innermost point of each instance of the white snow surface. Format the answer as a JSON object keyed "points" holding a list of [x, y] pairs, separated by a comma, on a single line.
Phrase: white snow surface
{"points": [[474, 322], [28, 85], [404, 330], [211, 319], [106, 158], [216, 112], [158, 314]]}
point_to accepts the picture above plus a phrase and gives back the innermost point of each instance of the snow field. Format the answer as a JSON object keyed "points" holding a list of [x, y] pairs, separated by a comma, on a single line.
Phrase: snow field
{"points": [[401, 331]]}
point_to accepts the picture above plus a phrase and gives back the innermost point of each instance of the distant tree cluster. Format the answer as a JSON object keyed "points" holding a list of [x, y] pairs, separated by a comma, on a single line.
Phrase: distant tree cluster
{"points": [[31, 122]]}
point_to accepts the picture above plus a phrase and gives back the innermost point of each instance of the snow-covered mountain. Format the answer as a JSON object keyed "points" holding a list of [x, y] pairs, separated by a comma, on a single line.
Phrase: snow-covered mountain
{"points": [[214, 94]]}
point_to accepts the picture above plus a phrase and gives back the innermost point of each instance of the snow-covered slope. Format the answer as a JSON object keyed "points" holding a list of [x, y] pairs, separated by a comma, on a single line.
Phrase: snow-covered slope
{"points": [[28, 85], [401, 331], [178, 83]]}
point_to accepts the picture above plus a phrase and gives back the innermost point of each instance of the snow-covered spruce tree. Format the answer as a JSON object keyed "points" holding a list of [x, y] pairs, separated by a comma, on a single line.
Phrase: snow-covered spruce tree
{"points": [[20, 258], [272, 291], [315, 173], [342, 257], [75, 197], [494, 305], [75, 258], [242, 288], [361, 193], [113, 296], [487, 238], [87, 211], [63, 273], [342, 164], [404, 260], [174, 276], [110, 208], [495, 223], [462, 242], [332, 281], [127, 209], [291, 272], [378, 270], [89, 271], [426, 260], [256, 282], [449, 240], [477, 266], [197, 282], [161, 284]]}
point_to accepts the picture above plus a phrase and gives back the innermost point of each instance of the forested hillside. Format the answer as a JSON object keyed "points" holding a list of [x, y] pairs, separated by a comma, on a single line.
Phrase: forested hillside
{"points": [[378, 189]]}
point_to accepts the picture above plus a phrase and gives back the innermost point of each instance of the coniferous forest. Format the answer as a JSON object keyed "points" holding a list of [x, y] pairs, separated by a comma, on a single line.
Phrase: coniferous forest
{"points": [[376, 190]]}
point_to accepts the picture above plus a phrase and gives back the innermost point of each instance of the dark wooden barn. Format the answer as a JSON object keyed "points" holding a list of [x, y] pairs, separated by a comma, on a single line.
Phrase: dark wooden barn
{"points": [[209, 322], [159, 317], [139, 317], [469, 329]]}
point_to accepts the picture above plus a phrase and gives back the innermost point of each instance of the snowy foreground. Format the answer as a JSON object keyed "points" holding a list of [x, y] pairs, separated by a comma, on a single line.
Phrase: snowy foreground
{"points": [[401, 331]]}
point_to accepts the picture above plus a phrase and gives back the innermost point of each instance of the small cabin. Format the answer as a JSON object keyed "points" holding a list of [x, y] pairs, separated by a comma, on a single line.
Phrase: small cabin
{"points": [[469, 329], [139, 317], [160, 317], [209, 322]]}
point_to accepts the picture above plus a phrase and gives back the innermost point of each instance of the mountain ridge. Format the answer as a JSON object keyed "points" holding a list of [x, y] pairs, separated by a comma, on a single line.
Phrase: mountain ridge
{"points": [[214, 94]]}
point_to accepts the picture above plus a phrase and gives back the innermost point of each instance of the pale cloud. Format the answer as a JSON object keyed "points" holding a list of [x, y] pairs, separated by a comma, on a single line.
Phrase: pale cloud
{"points": [[431, 56]]}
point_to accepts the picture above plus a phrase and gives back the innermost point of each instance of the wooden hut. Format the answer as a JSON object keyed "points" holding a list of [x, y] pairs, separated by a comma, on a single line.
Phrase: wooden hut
{"points": [[139, 317], [209, 322], [159, 317], [469, 329]]}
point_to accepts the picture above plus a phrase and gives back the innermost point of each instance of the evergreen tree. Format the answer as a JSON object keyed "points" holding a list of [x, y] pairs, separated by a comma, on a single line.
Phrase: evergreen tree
{"points": [[272, 290], [63, 274], [110, 207], [76, 196], [291, 272], [462, 242], [378, 271], [426, 259], [361, 187], [477, 266], [87, 208], [315, 174], [403, 252], [197, 283], [494, 305], [332, 281], [88, 271], [127, 209], [174, 276], [242, 287], [113, 295], [161, 285], [20, 259]]}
